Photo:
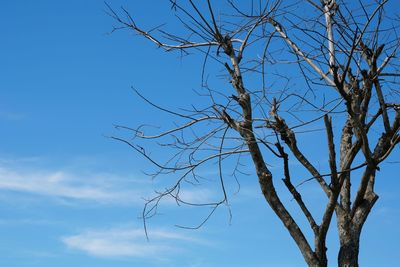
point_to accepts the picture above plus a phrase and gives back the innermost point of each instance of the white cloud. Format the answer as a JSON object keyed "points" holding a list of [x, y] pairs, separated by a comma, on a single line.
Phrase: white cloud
{"points": [[127, 242], [65, 185], [83, 186]]}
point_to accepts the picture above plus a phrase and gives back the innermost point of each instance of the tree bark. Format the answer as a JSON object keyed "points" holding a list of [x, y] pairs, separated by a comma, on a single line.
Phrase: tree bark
{"points": [[348, 254], [349, 235]]}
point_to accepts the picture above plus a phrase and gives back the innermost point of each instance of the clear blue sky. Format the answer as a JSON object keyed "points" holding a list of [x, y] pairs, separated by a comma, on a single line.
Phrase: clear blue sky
{"points": [[70, 196]]}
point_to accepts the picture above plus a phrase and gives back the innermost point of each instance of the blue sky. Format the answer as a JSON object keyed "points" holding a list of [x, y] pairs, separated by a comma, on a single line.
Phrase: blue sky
{"points": [[70, 196]]}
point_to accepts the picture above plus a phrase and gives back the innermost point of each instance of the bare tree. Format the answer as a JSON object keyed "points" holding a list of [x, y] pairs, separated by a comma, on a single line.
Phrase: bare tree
{"points": [[293, 67]]}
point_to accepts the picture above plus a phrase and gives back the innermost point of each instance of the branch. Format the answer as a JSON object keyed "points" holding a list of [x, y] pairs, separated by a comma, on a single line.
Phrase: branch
{"points": [[288, 136], [184, 167], [332, 153], [296, 195], [345, 151], [298, 51], [382, 104], [329, 10], [140, 134], [130, 24]]}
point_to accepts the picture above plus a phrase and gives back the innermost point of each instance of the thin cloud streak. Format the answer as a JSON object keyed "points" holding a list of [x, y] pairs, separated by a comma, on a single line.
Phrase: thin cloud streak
{"points": [[128, 242], [62, 184], [95, 187]]}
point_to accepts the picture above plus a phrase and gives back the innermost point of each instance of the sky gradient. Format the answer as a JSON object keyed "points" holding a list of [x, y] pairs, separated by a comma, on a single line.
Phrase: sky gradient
{"points": [[71, 196]]}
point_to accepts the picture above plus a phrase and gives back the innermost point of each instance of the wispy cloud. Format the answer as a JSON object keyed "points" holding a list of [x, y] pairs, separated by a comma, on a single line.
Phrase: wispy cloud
{"points": [[128, 242], [87, 186], [65, 185]]}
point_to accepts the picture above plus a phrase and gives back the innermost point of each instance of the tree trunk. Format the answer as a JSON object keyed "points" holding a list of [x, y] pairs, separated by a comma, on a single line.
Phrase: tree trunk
{"points": [[349, 235], [348, 254]]}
